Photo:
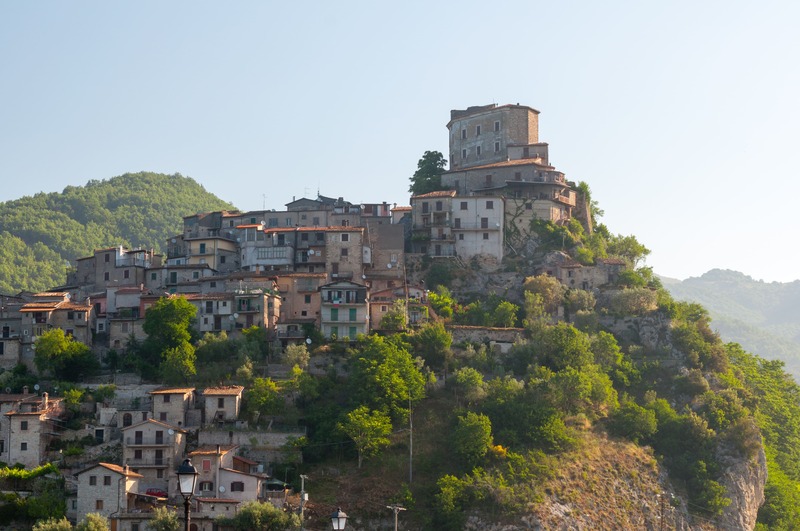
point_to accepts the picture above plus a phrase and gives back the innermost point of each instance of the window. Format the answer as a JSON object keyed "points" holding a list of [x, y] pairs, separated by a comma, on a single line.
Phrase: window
{"points": [[206, 465], [213, 284], [202, 248], [496, 126], [98, 505], [528, 206], [497, 147], [288, 222], [304, 237], [464, 205], [92, 480], [425, 208], [106, 276], [196, 274], [345, 237], [517, 175], [489, 205], [153, 276], [485, 235], [463, 133], [352, 314], [206, 486], [457, 223], [334, 331], [303, 313], [137, 454], [477, 130], [106, 481], [344, 252], [23, 425], [222, 259], [438, 206], [160, 473], [135, 527], [320, 236], [101, 327], [162, 416], [384, 308], [478, 150], [484, 223], [461, 236], [353, 332], [220, 402], [108, 258], [126, 273], [237, 486], [315, 221], [334, 314], [463, 153]]}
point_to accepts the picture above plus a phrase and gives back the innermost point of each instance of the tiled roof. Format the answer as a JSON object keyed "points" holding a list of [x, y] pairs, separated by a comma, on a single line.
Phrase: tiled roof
{"points": [[212, 449], [207, 296], [172, 391], [74, 306], [51, 294], [437, 193], [612, 261], [314, 229], [119, 470], [300, 275], [224, 390], [503, 164], [244, 460], [217, 500], [39, 306], [401, 208]]}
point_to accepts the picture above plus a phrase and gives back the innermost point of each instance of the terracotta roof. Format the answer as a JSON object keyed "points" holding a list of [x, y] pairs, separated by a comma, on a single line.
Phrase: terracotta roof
{"points": [[171, 391], [207, 296], [50, 294], [114, 468], [212, 449], [401, 208], [39, 306], [612, 261], [314, 229], [224, 390], [131, 289], [153, 421], [570, 264], [504, 164], [301, 275], [244, 460], [74, 306], [437, 193]]}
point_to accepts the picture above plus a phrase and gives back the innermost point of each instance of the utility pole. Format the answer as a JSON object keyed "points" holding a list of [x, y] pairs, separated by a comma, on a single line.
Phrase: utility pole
{"points": [[303, 497], [396, 508], [410, 441]]}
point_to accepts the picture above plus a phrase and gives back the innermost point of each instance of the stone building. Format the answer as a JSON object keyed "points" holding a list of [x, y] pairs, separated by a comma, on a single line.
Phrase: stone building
{"points": [[221, 404], [107, 489], [345, 310], [171, 405], [154, 450], [32, 422]]}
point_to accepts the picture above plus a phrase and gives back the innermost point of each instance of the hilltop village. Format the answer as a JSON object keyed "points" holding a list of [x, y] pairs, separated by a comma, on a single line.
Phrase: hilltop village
{"points": [[323, 266]]}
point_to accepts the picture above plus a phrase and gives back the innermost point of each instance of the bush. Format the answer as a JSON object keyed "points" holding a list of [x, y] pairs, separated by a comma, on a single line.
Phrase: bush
{"points": [[633, 422]]}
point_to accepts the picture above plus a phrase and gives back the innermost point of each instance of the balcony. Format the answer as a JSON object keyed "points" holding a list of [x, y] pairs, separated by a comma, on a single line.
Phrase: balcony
{"points": [[153, 462], [148, 441]]}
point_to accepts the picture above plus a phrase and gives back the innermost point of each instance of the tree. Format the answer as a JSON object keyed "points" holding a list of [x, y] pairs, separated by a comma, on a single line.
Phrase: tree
{"points": [[563, 346], [428, 176], [472, 437], [469, 384], [505, 315], [551, 290], [297, 355], [167, 323], [263, 397], [179, 363], [634, 422], [260, 516], [63, 356], [164, 520], [433, 342], [395, 318], [368, 429], [628, 248], [53, 524], [93, 522]]}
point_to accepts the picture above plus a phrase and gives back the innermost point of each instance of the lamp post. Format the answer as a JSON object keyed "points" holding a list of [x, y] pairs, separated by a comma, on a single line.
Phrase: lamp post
{"points": [[396, 508], [339, 519], [187, 479]]}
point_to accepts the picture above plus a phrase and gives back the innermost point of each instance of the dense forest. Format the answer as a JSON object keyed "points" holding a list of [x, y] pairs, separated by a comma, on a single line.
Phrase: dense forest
{"points": [[42, 234]]}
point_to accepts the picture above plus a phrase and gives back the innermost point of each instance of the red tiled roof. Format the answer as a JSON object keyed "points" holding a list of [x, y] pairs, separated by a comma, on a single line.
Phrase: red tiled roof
{"points": [[402, 208], [50, 294], [314, 229], [503, 164], [217, 500], [244, 460], [436, 193], [119, 470], [224, 390], [212, 449], [171, 391]]}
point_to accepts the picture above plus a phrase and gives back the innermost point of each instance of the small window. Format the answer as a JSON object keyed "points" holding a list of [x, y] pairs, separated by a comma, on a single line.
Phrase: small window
{"points": [[237, 486], [489, 205], [162, 416], [461, 236], [98, 505], [206, 465], [307, 299], [464, 205], [126, 273], [463, 135], [168, 398], [344, 251], [106, 480], [92, 480], [137, 454], [478, 150], [220, 402], [108, 258], [517, 175], [528, 206], [477, 130], [153, 276], [497, 147], [497, 127], [196, 274], [463, 153], [484, 223], [106, 276], [345, 237], [438, 206], [222, 259], [485, 235], [212, 284], [304, 237], [206, 486]]}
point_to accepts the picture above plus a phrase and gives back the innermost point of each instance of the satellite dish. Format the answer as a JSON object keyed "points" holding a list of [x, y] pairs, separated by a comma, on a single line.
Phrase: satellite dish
{"points": [[221, 488], [231, 318], [263, 223], [308, 342], [8, 390], [364, 277], [389, 266], [171, 431], [236, 316], [36, 387], [311, 252], [173, 240]]}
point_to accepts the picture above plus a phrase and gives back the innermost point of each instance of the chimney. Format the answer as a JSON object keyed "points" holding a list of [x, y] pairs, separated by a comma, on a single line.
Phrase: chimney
{"points": [[44, 401], [24, 389], [219, 449]]}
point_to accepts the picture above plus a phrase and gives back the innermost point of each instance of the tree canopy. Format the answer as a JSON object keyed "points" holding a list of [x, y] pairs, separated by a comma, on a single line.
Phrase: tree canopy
{"points": [[428, 176]]}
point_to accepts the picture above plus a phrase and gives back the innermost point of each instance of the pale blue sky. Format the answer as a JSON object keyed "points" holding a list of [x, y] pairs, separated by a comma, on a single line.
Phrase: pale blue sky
{"points": [[683, 117]]}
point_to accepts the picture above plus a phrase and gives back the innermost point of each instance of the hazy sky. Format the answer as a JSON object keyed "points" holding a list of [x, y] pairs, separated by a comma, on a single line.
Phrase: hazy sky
{"points": [[683, 117]]}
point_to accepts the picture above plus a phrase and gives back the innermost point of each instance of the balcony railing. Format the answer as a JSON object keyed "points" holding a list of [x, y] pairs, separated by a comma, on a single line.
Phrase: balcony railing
{"points": [[154, 462], [148, 441]]}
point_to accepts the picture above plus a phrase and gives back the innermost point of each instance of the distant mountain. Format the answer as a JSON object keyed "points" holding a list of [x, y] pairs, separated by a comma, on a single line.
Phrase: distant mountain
{"points": [[764, 317], [42, 234]]}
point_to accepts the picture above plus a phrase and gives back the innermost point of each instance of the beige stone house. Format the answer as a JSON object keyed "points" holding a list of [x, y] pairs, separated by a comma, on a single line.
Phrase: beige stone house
{"points": [[107, 489], [219, 479], [300, 304], [154, 449], [10, 331], [32, 424], [49, 310], [221, 404], [432, 223], [113, 266], [171, 404]]}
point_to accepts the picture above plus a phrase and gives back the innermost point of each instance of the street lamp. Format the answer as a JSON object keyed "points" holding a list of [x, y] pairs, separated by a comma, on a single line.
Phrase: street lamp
{"points": [[396, 508], [187, 478], [339, 519]]}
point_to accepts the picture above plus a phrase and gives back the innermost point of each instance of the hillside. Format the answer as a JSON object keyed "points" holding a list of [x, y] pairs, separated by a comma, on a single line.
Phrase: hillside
{"points": [[42, 234], [764, 317]]}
